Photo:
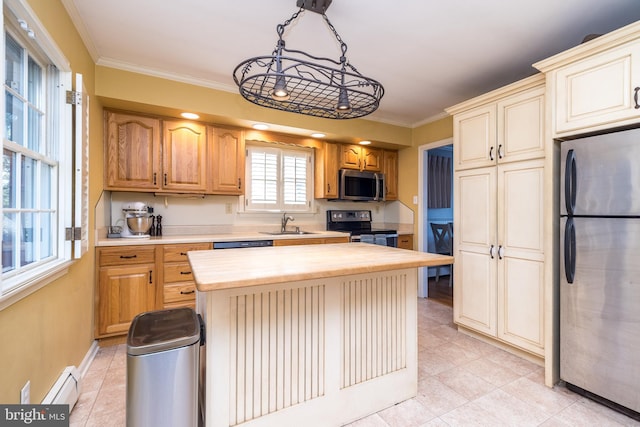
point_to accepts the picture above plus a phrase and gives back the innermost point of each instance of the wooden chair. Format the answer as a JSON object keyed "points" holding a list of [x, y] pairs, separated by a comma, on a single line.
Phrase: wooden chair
{"points": [[443, 238]]}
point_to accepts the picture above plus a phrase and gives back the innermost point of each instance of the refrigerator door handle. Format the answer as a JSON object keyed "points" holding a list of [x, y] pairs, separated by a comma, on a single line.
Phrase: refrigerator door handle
{"points": [[570, 250], [570, 177]]}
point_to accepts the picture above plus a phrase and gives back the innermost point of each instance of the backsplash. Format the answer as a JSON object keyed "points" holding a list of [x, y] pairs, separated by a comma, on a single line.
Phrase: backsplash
{"points": [[220, 214]]}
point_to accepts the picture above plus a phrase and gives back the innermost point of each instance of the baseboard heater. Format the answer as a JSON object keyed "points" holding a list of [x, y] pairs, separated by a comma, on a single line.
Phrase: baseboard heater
{"points": [[66, 389]]}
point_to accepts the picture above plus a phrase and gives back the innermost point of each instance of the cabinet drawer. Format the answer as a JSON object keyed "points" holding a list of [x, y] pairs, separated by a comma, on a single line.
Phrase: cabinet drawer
{"points": [[178, 253], [127, 255], [177, 272], [177, 292], [180, 304]]}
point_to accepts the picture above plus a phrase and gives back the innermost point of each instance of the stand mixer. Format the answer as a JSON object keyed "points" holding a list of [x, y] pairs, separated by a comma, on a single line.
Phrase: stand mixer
{"points": [[137, 221]]}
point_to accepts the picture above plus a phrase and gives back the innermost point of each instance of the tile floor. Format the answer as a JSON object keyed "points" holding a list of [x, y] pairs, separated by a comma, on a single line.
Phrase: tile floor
{"points": [[462, 382]]}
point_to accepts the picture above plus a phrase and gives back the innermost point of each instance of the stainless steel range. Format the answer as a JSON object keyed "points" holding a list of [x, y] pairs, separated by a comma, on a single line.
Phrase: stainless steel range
{"points": [[358, 224]]}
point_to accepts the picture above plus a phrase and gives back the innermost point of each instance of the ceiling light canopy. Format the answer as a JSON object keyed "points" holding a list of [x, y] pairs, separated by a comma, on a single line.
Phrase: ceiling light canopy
{"points": [[297, 82]]}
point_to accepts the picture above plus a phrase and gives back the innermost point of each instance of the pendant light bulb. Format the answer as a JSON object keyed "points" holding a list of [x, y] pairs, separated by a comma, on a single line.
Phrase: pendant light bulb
{"points": [[343, 101], [280, 92]]}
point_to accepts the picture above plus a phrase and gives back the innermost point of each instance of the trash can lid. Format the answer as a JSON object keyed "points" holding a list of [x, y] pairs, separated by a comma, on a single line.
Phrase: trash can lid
{"points": [[162, 330]]}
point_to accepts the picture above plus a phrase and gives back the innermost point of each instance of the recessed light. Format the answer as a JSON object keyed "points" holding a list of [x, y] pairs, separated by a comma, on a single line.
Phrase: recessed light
{"points": [[190, 116], [260, 126], [318, 135], [364, 142]]}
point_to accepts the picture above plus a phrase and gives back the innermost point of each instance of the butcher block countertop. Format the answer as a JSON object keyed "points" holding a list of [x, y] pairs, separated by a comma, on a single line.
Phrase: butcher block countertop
{"points": [[232, 268]]}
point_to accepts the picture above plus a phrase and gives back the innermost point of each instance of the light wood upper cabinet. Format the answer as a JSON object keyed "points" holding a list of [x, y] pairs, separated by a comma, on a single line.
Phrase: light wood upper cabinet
{"points": [[326, 171], [596, 85], [511, 128], [184, 157], [361, 158], [390, 169], [228, 160], [151, 155], [132, 150]]}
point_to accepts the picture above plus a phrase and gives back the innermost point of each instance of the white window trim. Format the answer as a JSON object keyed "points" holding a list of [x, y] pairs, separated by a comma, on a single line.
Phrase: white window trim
{"points": [[23, 284], [310, 205]]}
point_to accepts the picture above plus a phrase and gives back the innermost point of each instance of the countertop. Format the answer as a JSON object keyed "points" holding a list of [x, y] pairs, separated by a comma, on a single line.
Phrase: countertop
{"points": [[214, 237], [232, 268]]}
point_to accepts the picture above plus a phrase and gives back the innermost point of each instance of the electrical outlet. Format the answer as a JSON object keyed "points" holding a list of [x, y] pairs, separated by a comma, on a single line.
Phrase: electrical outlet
{"points": [[25, 394], [227, 208]]}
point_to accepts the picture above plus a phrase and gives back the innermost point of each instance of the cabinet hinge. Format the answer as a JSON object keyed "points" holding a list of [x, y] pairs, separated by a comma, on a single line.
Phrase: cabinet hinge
{"points": [[74, 98], [73, 233]]}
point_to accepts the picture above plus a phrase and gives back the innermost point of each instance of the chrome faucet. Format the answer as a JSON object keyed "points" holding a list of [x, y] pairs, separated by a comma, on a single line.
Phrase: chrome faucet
{"points": [[285, 219]]}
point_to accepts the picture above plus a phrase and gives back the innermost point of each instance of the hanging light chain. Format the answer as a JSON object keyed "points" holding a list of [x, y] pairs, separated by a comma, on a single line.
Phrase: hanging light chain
{"points": [[343, 45]]}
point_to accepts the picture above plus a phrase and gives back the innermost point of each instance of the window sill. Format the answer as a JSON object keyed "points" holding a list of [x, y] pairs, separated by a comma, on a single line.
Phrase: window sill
{"points": [[37, 281]]}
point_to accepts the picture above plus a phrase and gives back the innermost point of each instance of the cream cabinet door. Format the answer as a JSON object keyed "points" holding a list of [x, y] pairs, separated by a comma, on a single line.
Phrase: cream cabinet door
{"points": [[474, 134], [520, 134], [520, 254], [475, 269], [598, 92]]}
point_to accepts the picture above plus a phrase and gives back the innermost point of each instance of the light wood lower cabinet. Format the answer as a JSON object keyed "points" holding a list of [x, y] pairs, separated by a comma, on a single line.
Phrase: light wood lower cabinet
{"points": [[127, 286], [179, 289], [311, 241], [405, 241]]}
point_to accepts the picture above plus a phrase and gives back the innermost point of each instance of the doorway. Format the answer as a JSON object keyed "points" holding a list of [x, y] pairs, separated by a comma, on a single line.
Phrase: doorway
{"points": [[435, 205]]}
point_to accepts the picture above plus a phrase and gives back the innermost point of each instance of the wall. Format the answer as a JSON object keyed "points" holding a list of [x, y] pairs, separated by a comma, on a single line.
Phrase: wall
{"points": [[142, 93], [52, 328], [408, 162]]}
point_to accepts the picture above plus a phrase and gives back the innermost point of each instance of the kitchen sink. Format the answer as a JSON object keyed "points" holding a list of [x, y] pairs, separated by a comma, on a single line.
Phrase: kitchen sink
{"points": [[289, 232]]}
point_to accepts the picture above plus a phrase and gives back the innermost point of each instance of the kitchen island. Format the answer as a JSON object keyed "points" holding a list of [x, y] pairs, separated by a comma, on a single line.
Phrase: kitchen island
{"points": [[317, 335]]}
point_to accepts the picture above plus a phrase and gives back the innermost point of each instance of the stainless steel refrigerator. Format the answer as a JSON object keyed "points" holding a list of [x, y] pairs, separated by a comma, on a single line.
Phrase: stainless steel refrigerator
{"points": [[600, 267]]}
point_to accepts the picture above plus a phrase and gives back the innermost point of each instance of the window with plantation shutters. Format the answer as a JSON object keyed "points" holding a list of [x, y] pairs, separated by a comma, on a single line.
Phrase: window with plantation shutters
{"points": [[278, 179]]}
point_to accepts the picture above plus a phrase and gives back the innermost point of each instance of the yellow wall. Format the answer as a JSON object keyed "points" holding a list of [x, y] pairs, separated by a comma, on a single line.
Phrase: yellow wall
{"points": [[408, 162], [137, 92], [53, 327]]}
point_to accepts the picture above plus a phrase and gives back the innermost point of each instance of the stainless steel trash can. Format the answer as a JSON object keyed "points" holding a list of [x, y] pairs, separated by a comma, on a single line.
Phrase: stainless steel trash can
{"points": [[163, 349]]}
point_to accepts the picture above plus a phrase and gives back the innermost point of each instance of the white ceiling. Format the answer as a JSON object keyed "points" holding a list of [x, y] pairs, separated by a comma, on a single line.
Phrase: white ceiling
{"points": [[428, 55]]}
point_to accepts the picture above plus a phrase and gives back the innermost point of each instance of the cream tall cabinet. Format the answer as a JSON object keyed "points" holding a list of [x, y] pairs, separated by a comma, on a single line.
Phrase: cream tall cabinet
{"points": [[499, 201]]}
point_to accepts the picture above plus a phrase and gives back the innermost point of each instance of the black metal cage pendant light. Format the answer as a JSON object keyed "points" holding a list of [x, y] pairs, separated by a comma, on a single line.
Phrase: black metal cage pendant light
{"points": [[295, 81]]}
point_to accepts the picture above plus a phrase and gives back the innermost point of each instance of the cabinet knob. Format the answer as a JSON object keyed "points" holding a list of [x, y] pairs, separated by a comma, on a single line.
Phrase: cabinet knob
{"points": [[635, 97], [491, 153], [128, 256], [187, 292], [185, 272], [151, 277]]}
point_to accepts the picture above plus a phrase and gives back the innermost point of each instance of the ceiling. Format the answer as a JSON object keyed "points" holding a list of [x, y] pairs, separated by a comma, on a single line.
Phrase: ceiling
{"points": [[428, 55]]}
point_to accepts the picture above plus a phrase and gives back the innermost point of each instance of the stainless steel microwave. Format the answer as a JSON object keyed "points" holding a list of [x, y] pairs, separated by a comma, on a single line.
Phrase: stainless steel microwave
{"points": [[361, 185]]}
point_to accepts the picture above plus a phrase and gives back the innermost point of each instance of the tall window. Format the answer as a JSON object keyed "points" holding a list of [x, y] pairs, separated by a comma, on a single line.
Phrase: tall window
{"points": [[279, 179], [35, 160]]}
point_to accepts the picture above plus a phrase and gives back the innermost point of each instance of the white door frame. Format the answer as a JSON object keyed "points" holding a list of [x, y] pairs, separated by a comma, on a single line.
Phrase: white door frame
{"points": [[423, 288]]}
